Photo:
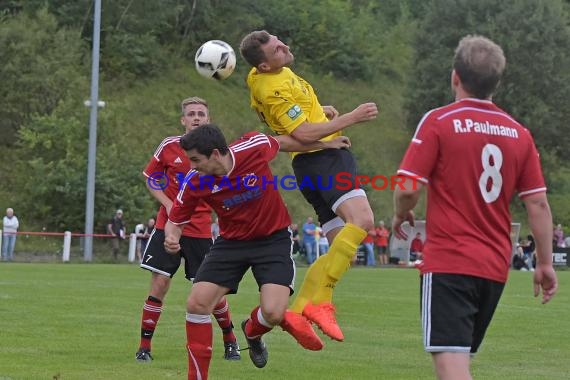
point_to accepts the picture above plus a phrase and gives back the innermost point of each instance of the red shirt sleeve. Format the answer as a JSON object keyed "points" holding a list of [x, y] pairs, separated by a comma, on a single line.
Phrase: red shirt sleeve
{"points": [[422, 153]]}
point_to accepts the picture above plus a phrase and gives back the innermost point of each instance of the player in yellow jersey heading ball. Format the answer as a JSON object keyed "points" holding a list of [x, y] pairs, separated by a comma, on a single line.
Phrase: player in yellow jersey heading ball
{"points": [[289, 106]]}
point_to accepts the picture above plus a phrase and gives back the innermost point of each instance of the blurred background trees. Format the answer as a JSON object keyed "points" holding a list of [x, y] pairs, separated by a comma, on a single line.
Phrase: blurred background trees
{"points": [[397, 53]]}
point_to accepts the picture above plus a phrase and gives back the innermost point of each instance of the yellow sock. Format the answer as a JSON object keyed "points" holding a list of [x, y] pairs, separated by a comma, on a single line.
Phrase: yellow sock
{"points": [[310, 284], [340, 254]]}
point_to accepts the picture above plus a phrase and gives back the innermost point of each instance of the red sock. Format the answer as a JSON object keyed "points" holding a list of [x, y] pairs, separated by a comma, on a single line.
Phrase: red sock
{"points": [[222, 314], [150, 316], [256, 326], [199, 345]]}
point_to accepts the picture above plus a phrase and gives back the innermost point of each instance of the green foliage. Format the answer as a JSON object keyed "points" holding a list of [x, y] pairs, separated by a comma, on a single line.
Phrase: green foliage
{"points": [[535, 37], [537, 47], [54, 180], [130, 56], [351, 51], [40, 65]]}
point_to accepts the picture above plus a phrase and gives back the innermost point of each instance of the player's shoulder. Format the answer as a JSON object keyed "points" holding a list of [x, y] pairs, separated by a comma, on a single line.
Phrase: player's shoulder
{"points": [[251, 138], [268, 84], [168, 146], [169, 142], [442, 112], [252, 142]]}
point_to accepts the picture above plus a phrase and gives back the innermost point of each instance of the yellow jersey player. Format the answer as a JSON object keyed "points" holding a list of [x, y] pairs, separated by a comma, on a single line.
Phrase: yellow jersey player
{"points": [[289, 106]]}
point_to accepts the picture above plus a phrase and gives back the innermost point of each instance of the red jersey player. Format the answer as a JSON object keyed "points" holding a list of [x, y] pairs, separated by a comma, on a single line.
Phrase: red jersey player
{"points": [[164, 170], [237, 182], [473, 157]]}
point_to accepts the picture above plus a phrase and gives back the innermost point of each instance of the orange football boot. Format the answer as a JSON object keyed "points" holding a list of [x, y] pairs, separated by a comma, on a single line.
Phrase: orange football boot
{"points": [[323, 315], [300, 328]]}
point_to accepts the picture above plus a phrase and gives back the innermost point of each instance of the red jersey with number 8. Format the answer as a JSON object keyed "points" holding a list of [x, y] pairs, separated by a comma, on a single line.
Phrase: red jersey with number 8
{"points": [[474, 157]]}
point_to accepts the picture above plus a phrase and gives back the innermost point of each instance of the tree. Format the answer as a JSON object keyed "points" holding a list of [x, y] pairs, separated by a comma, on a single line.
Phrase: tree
{"points": [[535, 36], [39, 66], [536, 39], [51, 151]]}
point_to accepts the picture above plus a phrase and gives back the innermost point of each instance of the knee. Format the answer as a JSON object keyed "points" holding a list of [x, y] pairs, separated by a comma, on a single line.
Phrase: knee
{"points": [[363, 218], [273, 318], [364, 221], [195, 305]]}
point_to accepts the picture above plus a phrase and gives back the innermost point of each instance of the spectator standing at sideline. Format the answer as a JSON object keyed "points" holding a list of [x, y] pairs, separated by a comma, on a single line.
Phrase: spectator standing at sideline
{"points": [[381, 241], [496, 156], [310, 240], [10, 225], [117, 229], [416, 248], [368, 243]]}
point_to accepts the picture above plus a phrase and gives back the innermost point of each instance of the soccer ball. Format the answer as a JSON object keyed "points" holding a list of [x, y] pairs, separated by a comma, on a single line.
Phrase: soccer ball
{"points": [[215, 59]]}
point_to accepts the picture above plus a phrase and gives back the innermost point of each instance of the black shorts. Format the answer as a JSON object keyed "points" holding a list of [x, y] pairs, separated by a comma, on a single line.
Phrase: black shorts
{"points": [[456, 311], [192, 250], [270, 260], [316, 175]]}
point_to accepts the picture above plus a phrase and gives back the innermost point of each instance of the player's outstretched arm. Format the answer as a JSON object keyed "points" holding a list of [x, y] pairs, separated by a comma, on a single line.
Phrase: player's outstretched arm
{"points": [[290, 144], [540, 221], [310, 132]]}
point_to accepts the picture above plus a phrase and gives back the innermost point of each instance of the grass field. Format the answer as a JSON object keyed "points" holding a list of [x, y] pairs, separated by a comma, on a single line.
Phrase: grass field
{"points": [[82, 321]]}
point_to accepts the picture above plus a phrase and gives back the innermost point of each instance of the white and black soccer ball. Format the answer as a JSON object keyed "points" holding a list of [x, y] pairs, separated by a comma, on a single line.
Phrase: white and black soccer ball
{"points": [[215, 59]]}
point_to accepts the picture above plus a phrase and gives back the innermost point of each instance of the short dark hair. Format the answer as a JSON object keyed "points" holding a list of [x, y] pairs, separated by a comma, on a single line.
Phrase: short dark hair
{"points": [[479, 63], [205, 139], [250, 47]]}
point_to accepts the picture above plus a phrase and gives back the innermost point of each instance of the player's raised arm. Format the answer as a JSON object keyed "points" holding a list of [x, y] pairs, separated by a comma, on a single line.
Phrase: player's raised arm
{"points": [[310, 132]]}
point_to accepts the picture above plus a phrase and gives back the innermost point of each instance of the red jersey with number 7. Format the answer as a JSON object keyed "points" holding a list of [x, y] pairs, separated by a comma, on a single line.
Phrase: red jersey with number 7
{"points": [[164, 170], [474, 157]]}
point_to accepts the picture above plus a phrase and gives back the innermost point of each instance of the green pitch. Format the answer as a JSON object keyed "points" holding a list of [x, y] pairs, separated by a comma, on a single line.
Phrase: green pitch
{"points": [[82, 321]]}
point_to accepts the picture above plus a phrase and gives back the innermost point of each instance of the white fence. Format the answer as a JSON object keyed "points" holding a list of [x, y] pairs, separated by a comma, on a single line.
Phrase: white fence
{"points": [[67, 243]]}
